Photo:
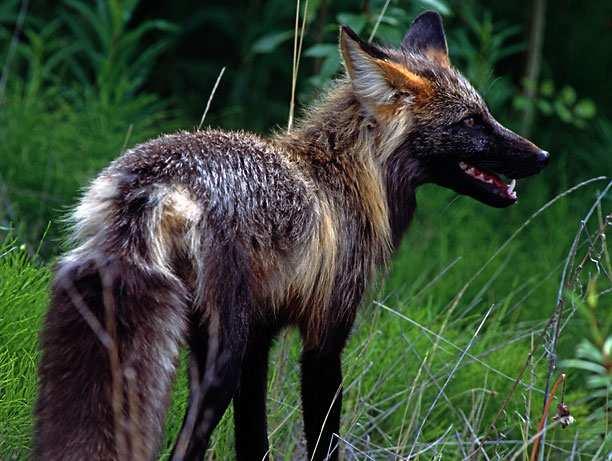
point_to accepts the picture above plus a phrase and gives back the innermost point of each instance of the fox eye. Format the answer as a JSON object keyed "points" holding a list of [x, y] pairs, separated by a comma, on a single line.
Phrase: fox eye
{"points": [[470, 121]]}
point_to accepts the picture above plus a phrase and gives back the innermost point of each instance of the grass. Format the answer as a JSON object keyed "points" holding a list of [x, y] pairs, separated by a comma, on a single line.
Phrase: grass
{"points": [[424, 372], [23, 297]]}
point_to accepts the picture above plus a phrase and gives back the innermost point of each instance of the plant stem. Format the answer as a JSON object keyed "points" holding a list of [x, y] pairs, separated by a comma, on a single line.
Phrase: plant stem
{"points": [[534, 59], [297, 52], [536, 443]]}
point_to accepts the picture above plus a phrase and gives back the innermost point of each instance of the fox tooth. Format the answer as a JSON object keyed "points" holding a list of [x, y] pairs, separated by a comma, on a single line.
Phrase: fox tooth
{"points": [[511, 186]]}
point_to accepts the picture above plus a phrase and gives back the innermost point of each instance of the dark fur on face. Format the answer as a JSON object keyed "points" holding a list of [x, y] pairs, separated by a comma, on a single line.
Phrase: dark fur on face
{"points": [[218, 240], [451, 138]]}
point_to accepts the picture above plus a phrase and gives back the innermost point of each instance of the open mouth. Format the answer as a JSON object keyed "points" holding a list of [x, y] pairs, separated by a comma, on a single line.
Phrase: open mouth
{"points": [[492, 182]]}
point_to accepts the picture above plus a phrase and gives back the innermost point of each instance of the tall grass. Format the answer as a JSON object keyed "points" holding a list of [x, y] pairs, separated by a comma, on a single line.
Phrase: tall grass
{"points": [[23, 300]]}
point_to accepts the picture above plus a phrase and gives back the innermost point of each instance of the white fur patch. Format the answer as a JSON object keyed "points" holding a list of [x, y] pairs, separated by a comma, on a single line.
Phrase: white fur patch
{"points": [[184, 205], [91, 218], [95, 208], [173, 225]]}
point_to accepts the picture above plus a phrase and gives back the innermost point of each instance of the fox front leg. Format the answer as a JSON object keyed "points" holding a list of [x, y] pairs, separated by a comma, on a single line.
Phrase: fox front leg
{"points": [[250, 399], [322, 395]]}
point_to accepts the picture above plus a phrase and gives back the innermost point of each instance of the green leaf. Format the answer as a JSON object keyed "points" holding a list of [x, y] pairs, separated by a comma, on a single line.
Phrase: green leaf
{"points": [[520, 102], [268, 43], [563, 112], [587, 350], [510, 50], [321, 50], [547, 88], [585, 108], [584, 365], [545, 106], [316, 81], [330, 66], [568, 95], [600, 393], [597, 381], [389, 20], [529, 85], [579, 123]]}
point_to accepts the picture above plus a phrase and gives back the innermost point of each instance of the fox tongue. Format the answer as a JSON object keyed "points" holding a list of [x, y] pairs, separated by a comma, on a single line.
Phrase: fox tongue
{"points": [[496, 179], [483, 176], [490, 178]]}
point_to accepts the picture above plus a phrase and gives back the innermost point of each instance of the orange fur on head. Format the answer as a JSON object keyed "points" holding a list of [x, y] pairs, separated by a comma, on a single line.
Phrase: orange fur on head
{"points": [[404, 80]]}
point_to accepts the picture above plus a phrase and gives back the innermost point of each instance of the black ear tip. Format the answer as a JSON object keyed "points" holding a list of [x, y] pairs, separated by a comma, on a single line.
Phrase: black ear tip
{"points": [[371, 49], [428, 17], [346, 30], [426, 31]]}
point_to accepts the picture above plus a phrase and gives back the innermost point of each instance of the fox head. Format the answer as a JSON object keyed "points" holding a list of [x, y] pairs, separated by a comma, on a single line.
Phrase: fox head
{"points": [[438, 126]]}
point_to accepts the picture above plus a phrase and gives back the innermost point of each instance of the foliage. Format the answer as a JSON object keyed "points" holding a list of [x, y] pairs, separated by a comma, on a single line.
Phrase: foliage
{"points": [[479, 47], [563, 104], [74, 108], [110, 52], [597, 362], [594, 352]]}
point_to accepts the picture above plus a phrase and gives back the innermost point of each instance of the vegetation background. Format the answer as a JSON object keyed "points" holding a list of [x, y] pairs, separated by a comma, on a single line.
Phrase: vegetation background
{"points": [[483, 308]]}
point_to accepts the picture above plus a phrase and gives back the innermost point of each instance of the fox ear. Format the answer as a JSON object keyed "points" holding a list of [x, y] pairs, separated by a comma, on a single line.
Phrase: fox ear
{"points": [[426, 36], [360, 59], [374, 76]]}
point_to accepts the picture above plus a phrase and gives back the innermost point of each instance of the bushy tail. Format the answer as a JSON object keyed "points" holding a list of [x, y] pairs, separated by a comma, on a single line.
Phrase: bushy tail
{"points": [[111, 338], [110, 346]]}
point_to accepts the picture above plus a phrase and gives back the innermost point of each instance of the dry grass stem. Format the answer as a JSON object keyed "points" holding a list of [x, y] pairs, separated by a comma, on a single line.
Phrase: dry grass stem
{"points": [[297, 53], [210, 98], [380, 16]]}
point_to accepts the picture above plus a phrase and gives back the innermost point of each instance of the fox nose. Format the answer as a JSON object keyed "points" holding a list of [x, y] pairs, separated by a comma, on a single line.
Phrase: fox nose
{"points": [[542, 158]]}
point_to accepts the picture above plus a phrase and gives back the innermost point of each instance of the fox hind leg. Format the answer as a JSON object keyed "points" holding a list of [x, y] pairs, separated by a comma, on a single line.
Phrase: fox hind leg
{"points": [[219, 334]]}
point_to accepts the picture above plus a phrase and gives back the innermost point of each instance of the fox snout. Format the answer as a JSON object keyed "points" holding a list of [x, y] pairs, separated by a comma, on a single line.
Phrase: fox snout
{"points": [[484, 160], [542, 158], [513, 155], [533, 163]]}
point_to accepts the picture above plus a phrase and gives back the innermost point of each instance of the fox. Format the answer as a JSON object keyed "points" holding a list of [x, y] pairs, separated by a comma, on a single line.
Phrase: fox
{"points": [[216, 241]]}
